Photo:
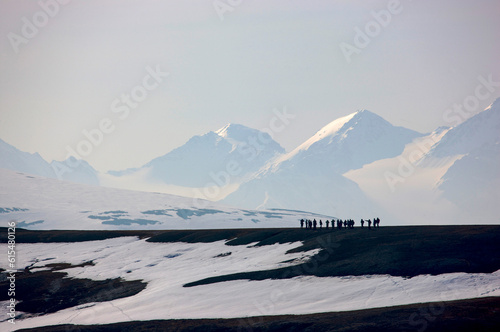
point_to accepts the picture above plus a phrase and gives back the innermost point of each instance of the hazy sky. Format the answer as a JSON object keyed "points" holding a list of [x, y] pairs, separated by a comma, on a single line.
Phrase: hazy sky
{"points": [[231, 63]]}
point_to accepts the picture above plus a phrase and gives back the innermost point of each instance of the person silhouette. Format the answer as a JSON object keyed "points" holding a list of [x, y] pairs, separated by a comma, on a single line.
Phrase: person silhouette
{"points": [[327, 223], [369, 223], [315, 223], [362, 223], [301, 223], [320, 224]]}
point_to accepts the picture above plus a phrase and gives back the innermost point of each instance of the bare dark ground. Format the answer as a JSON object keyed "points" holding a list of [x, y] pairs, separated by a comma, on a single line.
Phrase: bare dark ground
{"points": [[49, 291], [398, 251], [476, 315]]}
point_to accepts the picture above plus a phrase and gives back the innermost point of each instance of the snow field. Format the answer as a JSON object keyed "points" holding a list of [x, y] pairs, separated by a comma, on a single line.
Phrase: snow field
{"points": [[168, 266], [66, 205]]}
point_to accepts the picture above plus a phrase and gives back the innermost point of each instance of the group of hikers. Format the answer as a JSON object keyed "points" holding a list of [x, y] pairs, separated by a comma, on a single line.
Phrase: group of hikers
{"points": [[348, 223]]}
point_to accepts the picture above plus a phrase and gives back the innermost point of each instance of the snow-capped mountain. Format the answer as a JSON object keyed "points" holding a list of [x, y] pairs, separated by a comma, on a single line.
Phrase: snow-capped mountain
{"points": [[349, 143], [473, 180], [17, 160], [449, 176], [75, 170], [310, 175], [477, 131], [70, 170], [43, 203], [216, 158], [358, 166], [291, 189]]}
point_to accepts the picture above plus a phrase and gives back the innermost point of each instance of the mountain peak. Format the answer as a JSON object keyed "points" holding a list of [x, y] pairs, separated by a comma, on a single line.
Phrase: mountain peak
{"points": [[473, 133], [350, 142], [366, 114], [364, 111], [340, 125], [230, 129], [236, 133]]}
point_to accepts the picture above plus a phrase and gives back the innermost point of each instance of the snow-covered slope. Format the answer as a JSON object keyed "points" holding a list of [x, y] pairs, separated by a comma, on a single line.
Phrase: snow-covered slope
{"points": [[447, 177], [310, 176], [73, 170], [473, 182], [16, 160], [349, 143], [166, 267], [477, 131], [43, 203], [291, 188], [219, 158]]}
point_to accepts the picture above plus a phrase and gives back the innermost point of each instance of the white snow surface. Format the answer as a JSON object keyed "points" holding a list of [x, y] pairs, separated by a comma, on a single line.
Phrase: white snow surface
{"points": [[43, 203], [168, 266]]}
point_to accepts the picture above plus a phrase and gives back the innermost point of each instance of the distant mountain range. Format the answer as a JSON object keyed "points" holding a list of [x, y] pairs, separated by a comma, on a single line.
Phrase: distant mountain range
{"points": [[234, 149], [73, 170], [311, 175], [358, 166]]}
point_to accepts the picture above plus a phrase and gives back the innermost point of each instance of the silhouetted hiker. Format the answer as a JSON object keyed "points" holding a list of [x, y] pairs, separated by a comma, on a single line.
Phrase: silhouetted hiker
{"points": [[320, 224], [352, 223], [301, 223], [378, 222], [345, 223], [310, 224], [369, 223], [315, 223], [327, 223], [339, 223], [362, 223]]}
